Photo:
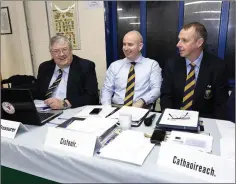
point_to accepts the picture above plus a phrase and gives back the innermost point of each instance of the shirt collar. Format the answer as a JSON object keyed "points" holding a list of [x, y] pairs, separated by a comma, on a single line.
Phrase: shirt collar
{"points": [[65, 70], [197, 62], [138, 60]]}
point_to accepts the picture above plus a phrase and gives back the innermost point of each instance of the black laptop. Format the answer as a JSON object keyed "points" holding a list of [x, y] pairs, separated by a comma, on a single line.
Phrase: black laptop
{"points": [[18, 105]]}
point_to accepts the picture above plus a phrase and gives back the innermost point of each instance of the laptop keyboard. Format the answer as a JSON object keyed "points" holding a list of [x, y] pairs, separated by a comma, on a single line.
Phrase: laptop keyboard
{"points": [[44, 116]]}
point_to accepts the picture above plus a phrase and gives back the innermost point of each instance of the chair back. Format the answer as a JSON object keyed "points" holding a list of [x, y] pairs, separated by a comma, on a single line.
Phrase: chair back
{"points": [[21, 81]]}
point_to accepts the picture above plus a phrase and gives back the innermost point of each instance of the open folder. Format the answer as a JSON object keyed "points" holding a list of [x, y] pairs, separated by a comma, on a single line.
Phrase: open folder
{"points": [[173, 119]]}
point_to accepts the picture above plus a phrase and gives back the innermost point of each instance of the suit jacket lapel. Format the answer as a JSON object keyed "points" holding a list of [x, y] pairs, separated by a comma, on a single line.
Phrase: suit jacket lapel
{"points": [[202, 79], [182, 74], [74, 76], [48, 75]]}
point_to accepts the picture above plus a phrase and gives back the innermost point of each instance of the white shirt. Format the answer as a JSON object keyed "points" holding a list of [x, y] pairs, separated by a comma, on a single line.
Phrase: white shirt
{"points": [[60, 92], [197, 63], [148, 81]]}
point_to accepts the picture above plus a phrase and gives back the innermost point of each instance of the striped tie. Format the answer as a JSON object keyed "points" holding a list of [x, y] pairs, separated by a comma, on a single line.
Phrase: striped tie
{"points": [[189, 89], [52, 88], [130, 86]]}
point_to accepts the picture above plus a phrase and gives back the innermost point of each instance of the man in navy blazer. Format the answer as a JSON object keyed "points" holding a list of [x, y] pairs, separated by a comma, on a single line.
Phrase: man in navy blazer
{"points": [[66, 80], [210, 92]]}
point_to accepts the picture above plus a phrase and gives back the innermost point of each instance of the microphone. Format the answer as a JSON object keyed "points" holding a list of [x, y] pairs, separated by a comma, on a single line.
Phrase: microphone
{"points": [[148, 121]]}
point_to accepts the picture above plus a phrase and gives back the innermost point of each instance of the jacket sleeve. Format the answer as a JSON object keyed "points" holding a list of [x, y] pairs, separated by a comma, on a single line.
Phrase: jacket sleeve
{"points": [[38, 94], [89, 94], [221, 92]]}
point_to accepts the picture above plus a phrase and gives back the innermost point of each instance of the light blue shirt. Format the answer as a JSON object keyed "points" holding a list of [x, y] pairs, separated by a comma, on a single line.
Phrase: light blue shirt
{"points": [[147, 81], [197, 63], [60, 92]]}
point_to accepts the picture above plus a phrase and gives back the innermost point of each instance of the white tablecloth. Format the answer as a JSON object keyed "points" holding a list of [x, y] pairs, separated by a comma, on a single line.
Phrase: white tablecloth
{"points": [[25, 153]]}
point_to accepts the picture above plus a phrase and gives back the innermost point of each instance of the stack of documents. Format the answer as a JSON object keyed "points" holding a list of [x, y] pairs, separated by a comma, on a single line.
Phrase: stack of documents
{"points": [[199, 141], [92, 125], [137, 113], [173, 119], [106, 110], [130, 146]]}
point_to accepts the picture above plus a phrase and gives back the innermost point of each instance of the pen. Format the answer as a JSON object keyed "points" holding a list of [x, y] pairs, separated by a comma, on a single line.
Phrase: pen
{"points": [[171, 116], [185, 115], [112, 112]]}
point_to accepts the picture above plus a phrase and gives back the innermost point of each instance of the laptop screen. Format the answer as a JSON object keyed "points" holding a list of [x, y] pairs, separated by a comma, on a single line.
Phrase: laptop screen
{"points": [[18, 105]]}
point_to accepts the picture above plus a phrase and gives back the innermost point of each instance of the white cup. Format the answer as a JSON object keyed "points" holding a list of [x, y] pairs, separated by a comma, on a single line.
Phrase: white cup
{"points": [[125, 121]]}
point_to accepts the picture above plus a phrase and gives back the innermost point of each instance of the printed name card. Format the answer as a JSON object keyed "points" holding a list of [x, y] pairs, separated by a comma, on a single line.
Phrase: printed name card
{"points": [[195, 163], [70, 141], [10, 128]]}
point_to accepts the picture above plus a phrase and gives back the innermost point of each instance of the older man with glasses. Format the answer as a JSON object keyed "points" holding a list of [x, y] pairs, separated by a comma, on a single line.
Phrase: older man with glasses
{"points": [[66, 80]]}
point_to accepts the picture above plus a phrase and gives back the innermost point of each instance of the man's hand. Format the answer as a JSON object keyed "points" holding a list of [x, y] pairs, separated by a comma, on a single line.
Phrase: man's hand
{"points": [[54, 103], [140, 103]]}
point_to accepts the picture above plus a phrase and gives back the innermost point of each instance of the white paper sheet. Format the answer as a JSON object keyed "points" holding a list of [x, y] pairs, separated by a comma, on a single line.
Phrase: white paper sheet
{"points": [[226, 128], [168, 120], [92, 125], [199, 141], [137, 113], [130, 146], [106, 110], [227, 148]]}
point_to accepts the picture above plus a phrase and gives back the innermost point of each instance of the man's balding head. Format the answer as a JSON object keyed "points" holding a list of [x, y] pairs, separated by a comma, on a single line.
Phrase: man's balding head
{"points": [[132, 45], [136, 35]]}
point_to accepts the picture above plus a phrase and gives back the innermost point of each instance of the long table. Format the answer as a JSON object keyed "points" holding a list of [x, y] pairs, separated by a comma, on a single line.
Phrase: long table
{"points": [[26, 153]]}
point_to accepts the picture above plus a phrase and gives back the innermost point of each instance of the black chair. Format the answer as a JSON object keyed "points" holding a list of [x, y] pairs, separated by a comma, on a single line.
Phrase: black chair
{"points": [[21, 81]]}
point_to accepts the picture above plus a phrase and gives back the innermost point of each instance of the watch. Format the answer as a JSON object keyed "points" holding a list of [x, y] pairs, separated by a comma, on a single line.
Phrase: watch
{"points": [[65, 105], [143, 100]]}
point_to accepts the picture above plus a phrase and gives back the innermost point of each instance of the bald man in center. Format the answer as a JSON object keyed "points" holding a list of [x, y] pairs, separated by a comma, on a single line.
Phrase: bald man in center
{"points": [[134, 80]]}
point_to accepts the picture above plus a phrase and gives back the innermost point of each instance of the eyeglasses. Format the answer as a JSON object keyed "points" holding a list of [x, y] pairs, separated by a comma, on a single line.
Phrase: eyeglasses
{"points": [[183, 117], [58, 51]]}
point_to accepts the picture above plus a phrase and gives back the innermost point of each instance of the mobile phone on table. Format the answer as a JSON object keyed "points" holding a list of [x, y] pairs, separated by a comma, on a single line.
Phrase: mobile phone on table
{"points": [[158, 136], [95, 111]]}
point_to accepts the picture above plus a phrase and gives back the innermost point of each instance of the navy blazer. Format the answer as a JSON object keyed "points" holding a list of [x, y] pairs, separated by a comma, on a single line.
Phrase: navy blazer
{"points": [[82, 86], [211, 91]]}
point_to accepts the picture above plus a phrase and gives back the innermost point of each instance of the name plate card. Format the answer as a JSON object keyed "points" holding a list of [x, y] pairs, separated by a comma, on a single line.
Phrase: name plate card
{"points": [[10, 128], [70, 141], [195, 163]]}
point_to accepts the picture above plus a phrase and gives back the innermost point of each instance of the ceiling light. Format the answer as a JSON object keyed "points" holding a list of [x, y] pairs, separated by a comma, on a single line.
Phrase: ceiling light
{"points": [[134, 23], [134, 17], [207, 12], [199, 2], [211, 19]]}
